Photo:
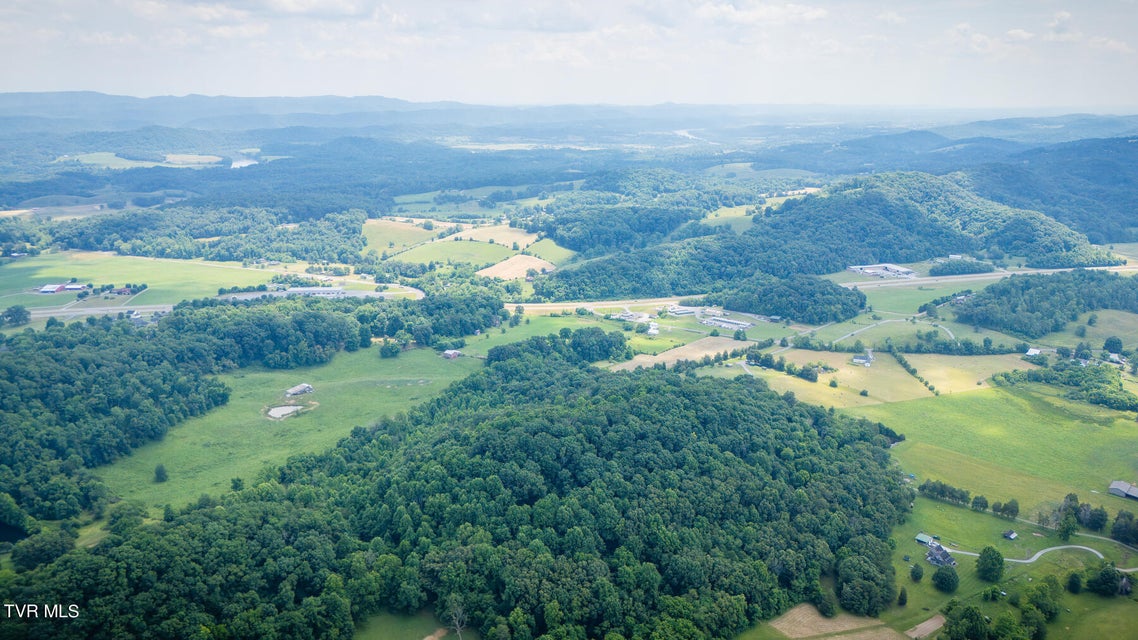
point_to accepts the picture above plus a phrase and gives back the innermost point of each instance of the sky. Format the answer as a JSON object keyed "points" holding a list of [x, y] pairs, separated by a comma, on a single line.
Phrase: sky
{"points": [[935, 53]]}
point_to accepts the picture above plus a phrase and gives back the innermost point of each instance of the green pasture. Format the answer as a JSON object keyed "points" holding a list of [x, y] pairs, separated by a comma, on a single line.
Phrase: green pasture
{"points": [[1020, 442], [393, 235], [464, 251], [238, 440], [968, 530], [549, 250], [169, 281], [1110, 323], [906, 298]]}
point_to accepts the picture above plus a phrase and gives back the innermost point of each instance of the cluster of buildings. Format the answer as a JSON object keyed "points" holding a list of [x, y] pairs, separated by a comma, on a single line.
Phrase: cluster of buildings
{"points": [[937, 555], [61, 288], [883, 270], [726, 323]]}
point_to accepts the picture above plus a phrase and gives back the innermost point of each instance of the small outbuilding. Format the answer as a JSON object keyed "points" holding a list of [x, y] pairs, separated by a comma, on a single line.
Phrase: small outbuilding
{"points": [[300, 389], [924, 538], [451, 354], [1123, 490], [1011, 535]]}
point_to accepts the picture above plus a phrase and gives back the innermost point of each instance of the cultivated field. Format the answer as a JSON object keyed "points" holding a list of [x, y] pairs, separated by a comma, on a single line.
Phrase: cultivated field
{"points": [[956, 374], [457, 251], [516, 267], [238, 440], [804, 621]]}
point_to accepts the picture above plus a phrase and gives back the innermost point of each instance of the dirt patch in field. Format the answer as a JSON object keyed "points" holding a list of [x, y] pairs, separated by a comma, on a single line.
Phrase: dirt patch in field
{"points": [[926, 628], [516, 266], [439, 634], [691, 351], [804, 621]]}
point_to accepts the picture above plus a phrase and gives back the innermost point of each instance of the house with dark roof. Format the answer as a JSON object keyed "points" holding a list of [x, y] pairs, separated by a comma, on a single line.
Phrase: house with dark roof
{"points": [[939, 556]]}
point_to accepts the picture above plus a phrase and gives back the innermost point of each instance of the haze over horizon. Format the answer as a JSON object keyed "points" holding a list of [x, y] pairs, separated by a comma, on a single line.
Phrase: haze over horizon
{"points": [[945, 53]]}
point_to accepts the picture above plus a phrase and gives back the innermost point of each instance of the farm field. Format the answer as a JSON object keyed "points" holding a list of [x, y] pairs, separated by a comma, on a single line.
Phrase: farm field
{"points": [[547, 249], [394, 235], [502, 234], [169, 281], [956, 374], [1014, 443], [451, 250], [517, 266], [906, 298], [237, 440], [691, 351]]}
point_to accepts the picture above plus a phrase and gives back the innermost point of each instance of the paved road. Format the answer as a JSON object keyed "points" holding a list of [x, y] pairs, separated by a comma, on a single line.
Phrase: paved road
{"points": [[1037, 555]]}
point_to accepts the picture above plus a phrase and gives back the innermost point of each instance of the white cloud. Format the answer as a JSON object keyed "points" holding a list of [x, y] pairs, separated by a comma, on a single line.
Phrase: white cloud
{"points": [[758, 14], [1110, 44], [239, 31], [891, 17], [1019, 35], [1062, 29]]}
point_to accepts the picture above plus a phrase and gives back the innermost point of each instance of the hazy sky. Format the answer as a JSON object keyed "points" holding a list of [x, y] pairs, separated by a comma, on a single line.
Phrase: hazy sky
{"points": [[1006, 53]]}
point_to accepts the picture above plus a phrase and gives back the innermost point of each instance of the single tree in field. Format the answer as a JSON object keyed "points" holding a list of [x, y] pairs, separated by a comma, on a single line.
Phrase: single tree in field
{"points": [[160, 473], [990, 564], [945, 579], [917, 572]]}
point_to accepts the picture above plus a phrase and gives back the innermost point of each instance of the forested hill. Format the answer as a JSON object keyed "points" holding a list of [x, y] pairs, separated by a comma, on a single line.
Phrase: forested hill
{"points": [[1090, 185], [906, 217], [537, 496], [898, 217]]}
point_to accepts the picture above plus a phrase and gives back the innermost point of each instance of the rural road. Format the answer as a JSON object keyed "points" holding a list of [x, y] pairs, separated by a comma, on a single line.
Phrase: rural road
{"points": [[1034, 557]]}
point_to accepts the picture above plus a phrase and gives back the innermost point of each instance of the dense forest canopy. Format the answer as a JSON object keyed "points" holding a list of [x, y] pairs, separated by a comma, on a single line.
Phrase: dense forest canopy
{"points": [[541, 497], [1035, 305]]}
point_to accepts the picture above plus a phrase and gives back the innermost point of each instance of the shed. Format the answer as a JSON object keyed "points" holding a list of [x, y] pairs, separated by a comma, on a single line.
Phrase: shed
{"points": [[451, 354], [924, 538], [1011, 535], [1123, 489], [299, 389]]}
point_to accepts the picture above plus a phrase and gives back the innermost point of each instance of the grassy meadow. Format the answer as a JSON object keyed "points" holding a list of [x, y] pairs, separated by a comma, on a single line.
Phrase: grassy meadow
{"points": [[549, 250], [237, 440], [394, 235], [1023, 443]]}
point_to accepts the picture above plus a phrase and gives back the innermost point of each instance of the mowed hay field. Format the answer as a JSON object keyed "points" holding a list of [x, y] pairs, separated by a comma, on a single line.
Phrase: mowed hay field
{"points": [[804, 621], [692, 351], [394, 235], [955, 374], [169, 281], [1015, 442], [451, 250], [885, 380], [238, 440], [516, 267], [502, 234]]}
